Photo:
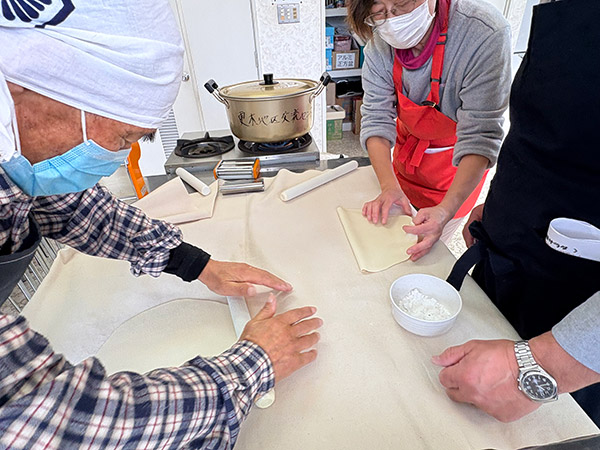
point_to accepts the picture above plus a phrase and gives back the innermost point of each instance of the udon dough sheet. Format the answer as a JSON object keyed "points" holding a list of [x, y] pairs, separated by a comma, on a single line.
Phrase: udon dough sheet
{"points": [[376, 247]]}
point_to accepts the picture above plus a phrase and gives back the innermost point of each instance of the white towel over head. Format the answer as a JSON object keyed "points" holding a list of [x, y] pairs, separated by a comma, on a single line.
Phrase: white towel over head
{"points": [[120, 59]]}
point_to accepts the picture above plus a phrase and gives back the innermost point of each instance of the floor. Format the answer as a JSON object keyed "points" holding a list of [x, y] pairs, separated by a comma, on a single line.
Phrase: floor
{"points": [[349, 145]]}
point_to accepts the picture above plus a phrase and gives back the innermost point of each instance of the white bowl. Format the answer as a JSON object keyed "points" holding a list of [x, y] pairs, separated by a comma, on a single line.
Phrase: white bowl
{"points": [[434, 287]]}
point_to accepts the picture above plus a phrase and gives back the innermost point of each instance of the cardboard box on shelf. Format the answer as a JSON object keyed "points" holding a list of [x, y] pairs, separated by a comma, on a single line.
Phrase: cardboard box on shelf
{"points": [[330, 93], [335, 116], [348, 104], [342, 43], [357, 115], [346, 60]]}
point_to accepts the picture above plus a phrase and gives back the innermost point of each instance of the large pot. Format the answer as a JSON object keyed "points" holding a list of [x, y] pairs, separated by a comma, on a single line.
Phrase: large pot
{"points": [[269, 110]]}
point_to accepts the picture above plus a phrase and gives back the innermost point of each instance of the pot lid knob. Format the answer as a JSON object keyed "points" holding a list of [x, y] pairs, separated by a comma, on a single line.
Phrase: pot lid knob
{"points": [[268, 77]]}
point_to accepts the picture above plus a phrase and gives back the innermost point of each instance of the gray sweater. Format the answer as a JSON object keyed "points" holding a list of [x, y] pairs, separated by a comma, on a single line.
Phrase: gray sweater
{"points": [[475, 81]]}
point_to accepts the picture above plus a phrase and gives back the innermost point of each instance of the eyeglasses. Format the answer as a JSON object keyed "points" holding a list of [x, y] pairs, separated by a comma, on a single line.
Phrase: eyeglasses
{"points": [[378, 18]]}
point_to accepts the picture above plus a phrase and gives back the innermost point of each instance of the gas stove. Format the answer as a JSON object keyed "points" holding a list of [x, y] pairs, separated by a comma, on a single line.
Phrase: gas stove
{"points": [[201, 152]]}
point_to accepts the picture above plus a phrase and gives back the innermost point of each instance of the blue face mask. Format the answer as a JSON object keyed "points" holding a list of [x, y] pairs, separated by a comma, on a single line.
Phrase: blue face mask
{"points": [[74, 171]]}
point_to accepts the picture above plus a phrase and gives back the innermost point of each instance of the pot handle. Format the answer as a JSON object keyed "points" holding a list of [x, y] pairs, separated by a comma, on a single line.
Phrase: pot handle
{"points": [[213, 88], [324, 81]]}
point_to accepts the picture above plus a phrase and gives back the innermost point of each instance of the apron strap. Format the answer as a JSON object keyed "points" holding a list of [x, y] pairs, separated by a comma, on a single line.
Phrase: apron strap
{"points": [[472, 256], [437, 67], [411, 153], [468, 259]]}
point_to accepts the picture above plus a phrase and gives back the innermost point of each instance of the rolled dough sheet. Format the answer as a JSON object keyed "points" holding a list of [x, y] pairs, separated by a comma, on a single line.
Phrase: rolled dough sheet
{"points": [[376, 247], [168, 335]]}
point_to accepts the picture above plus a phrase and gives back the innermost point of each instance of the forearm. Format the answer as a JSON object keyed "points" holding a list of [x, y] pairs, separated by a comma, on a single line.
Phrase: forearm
{"points": [[576, 339], [569, 373], [484, 95], [204, 400], [96, 223], [380, 155], [468, 175]]}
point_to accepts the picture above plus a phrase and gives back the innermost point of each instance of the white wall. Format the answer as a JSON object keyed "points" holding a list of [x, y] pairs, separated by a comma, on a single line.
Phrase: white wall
{"points": [[294, 50], [514, 11]]}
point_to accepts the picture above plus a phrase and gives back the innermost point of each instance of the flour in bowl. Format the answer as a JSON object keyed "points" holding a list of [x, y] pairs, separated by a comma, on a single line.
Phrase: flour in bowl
{"points": [[422, 306]]}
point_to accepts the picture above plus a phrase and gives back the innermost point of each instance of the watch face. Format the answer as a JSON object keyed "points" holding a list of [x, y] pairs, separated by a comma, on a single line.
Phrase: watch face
{"points": [[538, 386]]}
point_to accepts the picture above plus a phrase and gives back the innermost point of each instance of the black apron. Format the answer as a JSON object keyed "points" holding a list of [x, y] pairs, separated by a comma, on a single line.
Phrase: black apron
{"points": [[14, 265], [549, 167]]}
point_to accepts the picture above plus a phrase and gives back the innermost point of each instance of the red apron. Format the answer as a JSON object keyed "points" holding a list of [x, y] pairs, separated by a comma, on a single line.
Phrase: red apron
{"points": [[426, 177]]}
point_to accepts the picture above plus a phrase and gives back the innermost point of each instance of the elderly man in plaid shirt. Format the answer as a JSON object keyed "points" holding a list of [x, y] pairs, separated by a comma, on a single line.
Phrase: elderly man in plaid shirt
{"points": [[79, 83]]}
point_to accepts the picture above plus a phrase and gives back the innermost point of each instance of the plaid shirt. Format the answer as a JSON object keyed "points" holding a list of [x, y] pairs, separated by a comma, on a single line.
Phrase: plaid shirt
{"points": [[45, 402], [93, 222]]}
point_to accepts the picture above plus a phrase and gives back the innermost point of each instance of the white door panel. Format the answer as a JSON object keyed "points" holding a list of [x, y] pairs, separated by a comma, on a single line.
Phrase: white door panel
{"points": [[220, 42]]}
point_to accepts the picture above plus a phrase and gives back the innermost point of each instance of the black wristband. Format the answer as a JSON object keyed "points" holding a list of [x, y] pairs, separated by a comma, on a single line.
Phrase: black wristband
{"points": [[187, 262]]}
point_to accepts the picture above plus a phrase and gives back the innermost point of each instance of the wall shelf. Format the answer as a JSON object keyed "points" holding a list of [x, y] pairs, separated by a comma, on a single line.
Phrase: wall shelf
{"points": [[345, 73], [336, 12]]}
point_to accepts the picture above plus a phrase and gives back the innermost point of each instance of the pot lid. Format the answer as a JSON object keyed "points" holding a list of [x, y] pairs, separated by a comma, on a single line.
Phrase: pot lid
{"points": [[268, 88]]}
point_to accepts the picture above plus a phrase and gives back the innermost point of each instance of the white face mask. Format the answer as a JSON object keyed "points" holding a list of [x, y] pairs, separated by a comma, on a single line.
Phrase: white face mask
{"points": [[407, 30]]}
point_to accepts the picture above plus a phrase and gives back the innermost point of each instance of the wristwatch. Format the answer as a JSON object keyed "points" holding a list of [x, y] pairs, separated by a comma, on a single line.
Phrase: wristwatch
{"points": [[534, 382]]}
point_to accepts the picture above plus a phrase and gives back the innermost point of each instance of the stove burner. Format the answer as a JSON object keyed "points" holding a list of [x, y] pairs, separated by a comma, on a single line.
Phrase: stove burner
{"points": [[204, 147], [274, 148]]}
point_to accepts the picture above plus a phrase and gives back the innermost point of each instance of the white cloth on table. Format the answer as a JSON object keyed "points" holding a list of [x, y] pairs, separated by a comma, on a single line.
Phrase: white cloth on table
{"points": [[370, 373], [172, 203]]}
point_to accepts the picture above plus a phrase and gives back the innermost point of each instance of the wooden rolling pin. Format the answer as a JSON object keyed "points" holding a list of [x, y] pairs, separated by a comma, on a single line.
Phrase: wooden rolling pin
{"points": [[192, 181], [317, 181]]}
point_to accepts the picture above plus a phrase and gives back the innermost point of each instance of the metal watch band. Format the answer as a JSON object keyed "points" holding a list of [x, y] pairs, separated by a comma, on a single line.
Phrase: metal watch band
{"points": [[524, 356]]}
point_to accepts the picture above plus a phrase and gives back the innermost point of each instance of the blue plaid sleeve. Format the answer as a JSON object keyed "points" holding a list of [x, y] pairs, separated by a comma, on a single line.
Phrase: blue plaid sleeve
{"points": [[96, 223], [46, 402]]}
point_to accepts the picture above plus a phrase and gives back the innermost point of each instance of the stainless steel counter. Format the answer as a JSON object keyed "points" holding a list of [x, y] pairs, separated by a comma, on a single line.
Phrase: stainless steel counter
{"points": [[155, 181]]}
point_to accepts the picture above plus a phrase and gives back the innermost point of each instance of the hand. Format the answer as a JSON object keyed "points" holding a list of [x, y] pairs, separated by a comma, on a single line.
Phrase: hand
{"points": [[237, 279], [429, 223], [476, 214], [383, 203], [484, 373], [285, 337]]}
